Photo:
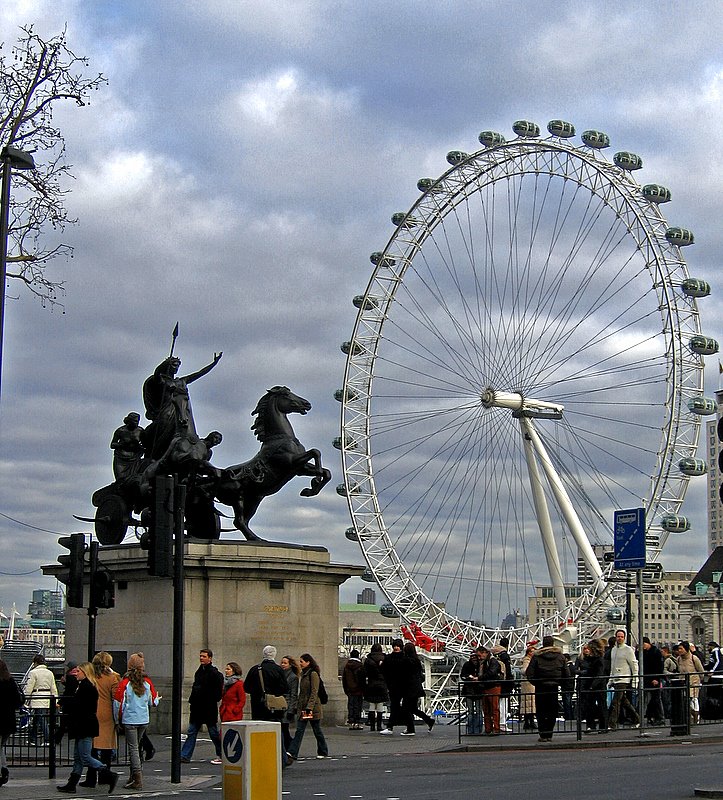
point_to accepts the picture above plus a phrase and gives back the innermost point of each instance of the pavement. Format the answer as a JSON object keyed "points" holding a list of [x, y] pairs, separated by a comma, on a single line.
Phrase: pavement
{"points": [[32, 783]]}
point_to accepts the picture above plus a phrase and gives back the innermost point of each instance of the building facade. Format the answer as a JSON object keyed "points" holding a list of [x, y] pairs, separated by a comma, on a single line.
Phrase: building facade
{"points": [[713, 449]]}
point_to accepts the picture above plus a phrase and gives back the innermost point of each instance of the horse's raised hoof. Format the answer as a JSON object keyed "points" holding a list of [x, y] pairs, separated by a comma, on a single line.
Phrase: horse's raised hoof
{"points": [[307, 492]]}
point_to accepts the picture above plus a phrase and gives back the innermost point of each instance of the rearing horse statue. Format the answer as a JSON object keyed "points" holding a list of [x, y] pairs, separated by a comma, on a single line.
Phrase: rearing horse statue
{"points": [[281, 458]]}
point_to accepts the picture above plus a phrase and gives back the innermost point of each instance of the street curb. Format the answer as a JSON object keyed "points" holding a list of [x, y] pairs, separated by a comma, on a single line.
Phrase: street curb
{"points": [[596, 744]]}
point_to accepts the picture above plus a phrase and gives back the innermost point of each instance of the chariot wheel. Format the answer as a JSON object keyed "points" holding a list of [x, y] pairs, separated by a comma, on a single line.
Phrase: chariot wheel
{"points": [[526, 359], [112, 519]]}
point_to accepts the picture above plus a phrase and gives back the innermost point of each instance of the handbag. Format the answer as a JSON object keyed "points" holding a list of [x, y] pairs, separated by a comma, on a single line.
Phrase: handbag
{"points": [[274, 702]]}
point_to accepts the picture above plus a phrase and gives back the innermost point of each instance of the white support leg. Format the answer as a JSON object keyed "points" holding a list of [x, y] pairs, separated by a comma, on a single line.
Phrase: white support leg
{"points": [[543, 520]]}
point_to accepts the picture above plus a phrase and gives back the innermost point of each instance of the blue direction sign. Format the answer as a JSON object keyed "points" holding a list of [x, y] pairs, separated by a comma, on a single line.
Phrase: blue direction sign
{"points": [[233, 747], [629, 539]]}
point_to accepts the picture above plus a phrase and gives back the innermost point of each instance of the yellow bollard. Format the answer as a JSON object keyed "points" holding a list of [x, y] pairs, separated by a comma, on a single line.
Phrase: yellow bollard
{"points": [[251, 753]]}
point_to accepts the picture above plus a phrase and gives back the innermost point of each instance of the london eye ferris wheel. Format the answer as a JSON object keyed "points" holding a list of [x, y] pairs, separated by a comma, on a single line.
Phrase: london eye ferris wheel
{"points": [[527, 358]]}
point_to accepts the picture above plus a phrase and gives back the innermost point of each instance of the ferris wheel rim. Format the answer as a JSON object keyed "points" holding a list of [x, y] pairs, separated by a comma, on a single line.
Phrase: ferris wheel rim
{"points": [[388, 569]]}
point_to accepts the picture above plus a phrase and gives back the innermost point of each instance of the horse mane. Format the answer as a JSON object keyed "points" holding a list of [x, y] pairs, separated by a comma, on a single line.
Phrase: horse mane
{"points": [[262, 408]]}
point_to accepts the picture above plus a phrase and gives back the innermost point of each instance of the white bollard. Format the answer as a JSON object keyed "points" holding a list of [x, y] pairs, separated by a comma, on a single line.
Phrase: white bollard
{"points": [[251, 753]]}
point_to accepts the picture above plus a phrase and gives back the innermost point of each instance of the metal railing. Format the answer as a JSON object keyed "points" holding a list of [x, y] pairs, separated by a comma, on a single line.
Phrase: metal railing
{"points": [[39, 740], [676, 702]]}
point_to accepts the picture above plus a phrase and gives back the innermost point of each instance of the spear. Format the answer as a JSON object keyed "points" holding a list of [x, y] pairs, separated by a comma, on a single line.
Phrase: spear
{"points": [[173, 343]]}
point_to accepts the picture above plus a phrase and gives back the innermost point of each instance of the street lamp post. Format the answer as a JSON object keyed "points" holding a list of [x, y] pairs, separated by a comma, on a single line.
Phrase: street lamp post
{"points": [[12, 158]]}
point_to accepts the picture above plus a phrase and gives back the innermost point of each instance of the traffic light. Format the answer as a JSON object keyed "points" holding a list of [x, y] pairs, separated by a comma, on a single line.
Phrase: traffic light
{"points": [[160, 538], [102, 589], [74, 561]]}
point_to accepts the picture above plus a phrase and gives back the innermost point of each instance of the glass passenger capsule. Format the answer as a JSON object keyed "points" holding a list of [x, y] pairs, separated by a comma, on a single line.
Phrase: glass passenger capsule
{"points": [[675, 523], [656, 193], [703, 345], [341, 489], [354, 349], [349, 396], [627, 161], [380, 260], [350, 443], [558, 127], [692, 466], [615, 614], [491, 138], [401, 220], [595, 139], [368, 576], [680, 236], [526, 129], [387, 610], [456, 157], [351, 535], [366, 303], [430, 185], [702, 405], [695, 287]]}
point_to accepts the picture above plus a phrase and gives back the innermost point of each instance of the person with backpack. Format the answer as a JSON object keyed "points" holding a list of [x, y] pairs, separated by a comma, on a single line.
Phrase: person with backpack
{"points": [[311, 698], [133, 699], [352, 680], [547, 671]]}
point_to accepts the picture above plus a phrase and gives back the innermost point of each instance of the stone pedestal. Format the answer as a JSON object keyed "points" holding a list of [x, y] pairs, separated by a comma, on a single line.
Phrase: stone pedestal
{"points": [[239, 597]]}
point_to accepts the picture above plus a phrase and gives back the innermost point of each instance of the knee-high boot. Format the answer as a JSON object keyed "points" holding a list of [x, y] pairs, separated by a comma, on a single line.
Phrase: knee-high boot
{"points": [[107, 776], [69, 787], [371, 720], [91, 778]]}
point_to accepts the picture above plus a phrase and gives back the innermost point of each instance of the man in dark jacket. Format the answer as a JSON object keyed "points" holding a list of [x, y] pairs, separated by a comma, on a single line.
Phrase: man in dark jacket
{"points": [[397, 672], [205, 695], [653, 668], [547, 671], [274, 682], [714, 668]]}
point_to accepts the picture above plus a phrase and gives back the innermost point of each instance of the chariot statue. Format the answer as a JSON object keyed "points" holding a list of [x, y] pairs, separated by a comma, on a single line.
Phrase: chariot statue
{"points": [[171, 445]]}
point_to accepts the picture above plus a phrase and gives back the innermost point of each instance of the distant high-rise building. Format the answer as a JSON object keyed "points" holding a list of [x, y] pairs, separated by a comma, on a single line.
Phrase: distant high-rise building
{"points": [[715, 507], [584, 577], [368, 597], [46, 604]]}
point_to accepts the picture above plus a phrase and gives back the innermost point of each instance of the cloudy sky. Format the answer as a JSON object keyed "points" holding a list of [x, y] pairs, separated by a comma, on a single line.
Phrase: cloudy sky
{"points": [[239, 168]]}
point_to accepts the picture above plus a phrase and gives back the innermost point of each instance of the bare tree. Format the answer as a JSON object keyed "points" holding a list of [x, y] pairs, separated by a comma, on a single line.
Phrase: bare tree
{"points": [[35, 77]]}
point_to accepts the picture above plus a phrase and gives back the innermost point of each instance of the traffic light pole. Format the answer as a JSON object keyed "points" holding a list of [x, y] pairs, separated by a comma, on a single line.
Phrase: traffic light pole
{"points": [[92, 610], [641, 667], [179, 494]]}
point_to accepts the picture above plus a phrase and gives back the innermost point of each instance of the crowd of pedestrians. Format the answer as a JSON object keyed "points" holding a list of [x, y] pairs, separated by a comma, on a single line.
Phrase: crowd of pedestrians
{"points": [[96, 703], [394, 680], [606, 676]]}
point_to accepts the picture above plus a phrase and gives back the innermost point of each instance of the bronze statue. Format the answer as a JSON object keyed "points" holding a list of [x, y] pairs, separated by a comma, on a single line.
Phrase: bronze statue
{"points": [[127, 448], [171, 445], [281, 458], [168, 405]]}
